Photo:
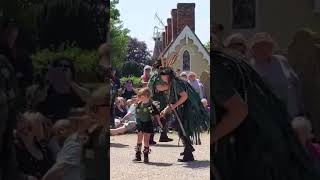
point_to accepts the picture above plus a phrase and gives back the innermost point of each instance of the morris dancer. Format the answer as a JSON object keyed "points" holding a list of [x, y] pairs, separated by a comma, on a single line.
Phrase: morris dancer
{"points": [[185, 103]]}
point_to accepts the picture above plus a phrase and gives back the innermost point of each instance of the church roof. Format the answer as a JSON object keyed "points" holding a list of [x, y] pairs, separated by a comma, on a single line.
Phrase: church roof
{"points": [[185, 34]]}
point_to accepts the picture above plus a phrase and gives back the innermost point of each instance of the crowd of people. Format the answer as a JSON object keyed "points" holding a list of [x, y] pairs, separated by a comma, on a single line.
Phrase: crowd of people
{"points": [[51, 127], [260, 113], [129, 100], [125, 99]]}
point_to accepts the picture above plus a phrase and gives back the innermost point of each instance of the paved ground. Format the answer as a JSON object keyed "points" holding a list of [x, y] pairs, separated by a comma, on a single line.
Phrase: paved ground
{"points": [[163, 160]]}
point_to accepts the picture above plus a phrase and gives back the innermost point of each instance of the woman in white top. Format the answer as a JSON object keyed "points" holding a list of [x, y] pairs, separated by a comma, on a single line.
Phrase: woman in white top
{"points": [[276, 72]]}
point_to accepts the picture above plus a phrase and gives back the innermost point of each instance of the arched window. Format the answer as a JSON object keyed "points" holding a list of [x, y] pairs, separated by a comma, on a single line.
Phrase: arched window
{"points": [[186, 61]]}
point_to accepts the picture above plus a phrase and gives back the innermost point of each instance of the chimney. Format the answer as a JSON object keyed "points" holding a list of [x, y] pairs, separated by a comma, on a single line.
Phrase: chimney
{"points": [[185, 16], [169, 30], [174, 23], [163, 40], [166, 38]]}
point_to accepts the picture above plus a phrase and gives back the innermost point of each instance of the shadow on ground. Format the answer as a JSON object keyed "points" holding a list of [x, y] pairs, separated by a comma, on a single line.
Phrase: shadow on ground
{"points": [[197, 164], [118, 145], [157, 164]]}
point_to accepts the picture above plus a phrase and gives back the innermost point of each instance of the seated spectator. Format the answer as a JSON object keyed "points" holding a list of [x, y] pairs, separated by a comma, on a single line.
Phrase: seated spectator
{"points": [[62, 92], [128, 90], [67, 166], [128, 122], [33, 159], [120, 107], [303, 130]]}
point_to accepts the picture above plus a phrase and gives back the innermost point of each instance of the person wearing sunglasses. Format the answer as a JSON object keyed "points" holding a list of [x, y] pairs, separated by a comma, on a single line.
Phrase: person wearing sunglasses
{"points": [[95, 150]]}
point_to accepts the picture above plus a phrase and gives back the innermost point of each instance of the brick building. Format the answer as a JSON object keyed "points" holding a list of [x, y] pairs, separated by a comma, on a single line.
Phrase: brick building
{"points": [[179, 46]]}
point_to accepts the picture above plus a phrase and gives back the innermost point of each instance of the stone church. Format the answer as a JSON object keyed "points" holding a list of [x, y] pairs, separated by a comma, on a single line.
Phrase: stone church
{"points": [[179, 46]]}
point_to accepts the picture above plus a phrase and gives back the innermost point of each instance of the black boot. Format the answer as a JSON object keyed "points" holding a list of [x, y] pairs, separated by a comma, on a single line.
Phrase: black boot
{"points": [[138, 152], [188, 146], [146, 153], [187, 157], [151, 141], [164, 137]]}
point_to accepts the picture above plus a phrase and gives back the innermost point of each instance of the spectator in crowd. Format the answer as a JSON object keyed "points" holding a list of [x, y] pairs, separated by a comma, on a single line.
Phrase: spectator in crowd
{"points": [[303, 130], [184, 76], [204, 101], [115, 80], [9, 168], [120, 107], [196, 84], [276, 72], [237, 42], [33, 159], [63, 94], [128, 90], [128, 122], [205, 81], [11, 46], [146, 75], [95, 150], [68, 162]]}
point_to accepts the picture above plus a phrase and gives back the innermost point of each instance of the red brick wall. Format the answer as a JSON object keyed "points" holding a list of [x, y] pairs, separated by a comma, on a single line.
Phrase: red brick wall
{"points": [[185, 16], [169, 30], [174, 23]]}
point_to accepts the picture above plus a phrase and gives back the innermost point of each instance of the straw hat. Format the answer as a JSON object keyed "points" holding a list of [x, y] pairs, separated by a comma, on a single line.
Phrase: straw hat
{"points": [[236, 38], [261, 37]]}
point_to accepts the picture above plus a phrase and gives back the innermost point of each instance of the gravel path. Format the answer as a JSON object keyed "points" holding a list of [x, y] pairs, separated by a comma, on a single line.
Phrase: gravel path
{"points": [[163, 160]]}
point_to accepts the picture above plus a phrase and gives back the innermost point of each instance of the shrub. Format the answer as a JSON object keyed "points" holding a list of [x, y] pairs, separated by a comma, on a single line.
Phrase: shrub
{"points": [[86, 62], [136, 80], [132, 68]]}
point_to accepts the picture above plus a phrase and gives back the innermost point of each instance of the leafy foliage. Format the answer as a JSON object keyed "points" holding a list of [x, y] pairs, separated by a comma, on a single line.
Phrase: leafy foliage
{"points": [[207, 46], [85, 61], [136, 80], [52, 22], [132, 68], [119, 37], [138, 51]]}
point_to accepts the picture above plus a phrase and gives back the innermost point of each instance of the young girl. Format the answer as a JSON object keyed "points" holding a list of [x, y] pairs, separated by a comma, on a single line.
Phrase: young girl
{"points": [[145, 112]]}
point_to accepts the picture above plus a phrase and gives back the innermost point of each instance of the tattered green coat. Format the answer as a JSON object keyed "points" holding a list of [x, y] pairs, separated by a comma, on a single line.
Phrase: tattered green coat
{"points": [[264, 146]]}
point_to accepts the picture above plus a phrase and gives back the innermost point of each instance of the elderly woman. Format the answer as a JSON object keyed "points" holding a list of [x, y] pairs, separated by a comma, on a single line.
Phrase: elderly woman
{"points": [[276, 72], [303, 130], [196, 84], [146, 75], [237, 42]]}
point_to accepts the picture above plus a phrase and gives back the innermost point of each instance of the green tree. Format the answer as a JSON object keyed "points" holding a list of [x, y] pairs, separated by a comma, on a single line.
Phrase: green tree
{"points": [[118, 36], [207, 46]]}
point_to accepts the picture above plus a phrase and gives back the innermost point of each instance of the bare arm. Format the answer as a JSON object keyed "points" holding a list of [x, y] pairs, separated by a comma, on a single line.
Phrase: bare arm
{"points": [[183, 98], [237, 111]]}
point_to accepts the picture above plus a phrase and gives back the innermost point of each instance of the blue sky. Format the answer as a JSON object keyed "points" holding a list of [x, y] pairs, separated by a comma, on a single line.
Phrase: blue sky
{"points": [[138, 17]]}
